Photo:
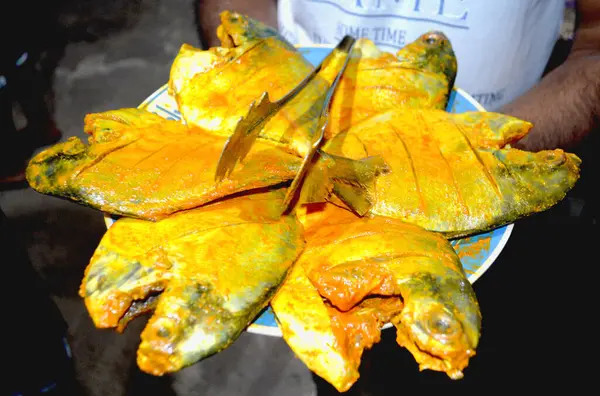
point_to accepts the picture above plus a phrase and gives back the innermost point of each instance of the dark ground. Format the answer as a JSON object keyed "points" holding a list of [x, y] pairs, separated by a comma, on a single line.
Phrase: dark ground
{"points": [[534, 299]]}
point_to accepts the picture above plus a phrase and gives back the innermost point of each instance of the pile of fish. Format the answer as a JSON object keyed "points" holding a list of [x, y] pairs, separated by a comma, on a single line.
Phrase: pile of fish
{"points": [[367, 239]]}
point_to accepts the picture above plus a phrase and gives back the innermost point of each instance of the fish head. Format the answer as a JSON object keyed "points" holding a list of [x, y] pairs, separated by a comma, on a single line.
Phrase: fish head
{"points": [[125, 274], [49, 171], [431, 52], [440, 324], [191, 322], [551, 173], [237, 29]]}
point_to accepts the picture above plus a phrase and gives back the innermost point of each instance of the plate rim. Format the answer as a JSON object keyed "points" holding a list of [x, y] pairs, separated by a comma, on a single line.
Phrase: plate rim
{"points": [[275, 331]]}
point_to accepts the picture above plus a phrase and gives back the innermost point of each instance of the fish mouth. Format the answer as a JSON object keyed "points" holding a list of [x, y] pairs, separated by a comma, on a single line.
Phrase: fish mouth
{"points": [[574, 160], [157, 362], [157, 353], [116, 309], [437, 344], [106, 310]]}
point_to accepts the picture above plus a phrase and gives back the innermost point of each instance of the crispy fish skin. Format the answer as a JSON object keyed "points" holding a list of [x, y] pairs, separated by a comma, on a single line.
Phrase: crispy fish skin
{"points": [[216, 266], [454, 173], [420, 75], [140, 165], [440, 322]]}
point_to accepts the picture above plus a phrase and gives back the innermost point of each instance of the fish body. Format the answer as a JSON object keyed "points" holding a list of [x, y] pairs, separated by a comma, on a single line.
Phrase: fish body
{"points": [[420, 75], [140, 165], [328, 341], [353, 267], [456, 173], [216, 94], [214, 88], [208, 273]]}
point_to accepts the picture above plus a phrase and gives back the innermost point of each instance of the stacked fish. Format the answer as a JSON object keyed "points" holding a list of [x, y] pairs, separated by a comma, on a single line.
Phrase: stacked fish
{"points": [[366, 241]]}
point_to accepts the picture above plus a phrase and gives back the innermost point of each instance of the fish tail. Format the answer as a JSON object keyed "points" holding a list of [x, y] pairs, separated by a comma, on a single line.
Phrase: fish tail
{"points": [[353, 181]]}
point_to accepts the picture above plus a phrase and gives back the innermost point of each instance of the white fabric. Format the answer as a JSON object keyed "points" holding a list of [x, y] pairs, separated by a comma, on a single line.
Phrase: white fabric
{"points": [[502, 46]]}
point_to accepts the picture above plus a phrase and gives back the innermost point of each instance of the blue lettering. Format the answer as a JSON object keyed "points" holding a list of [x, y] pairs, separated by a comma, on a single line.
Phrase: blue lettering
{"points": [[359, 4], [355, 32], [377, 31], [352, 32], [391, 35], [396, 36], [441, 7], [487, 98], [441, 10]]}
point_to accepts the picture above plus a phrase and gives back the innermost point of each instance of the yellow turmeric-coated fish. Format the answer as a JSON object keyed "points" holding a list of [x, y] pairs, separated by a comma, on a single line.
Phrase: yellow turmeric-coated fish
{"points": [[214, 88], [455, 173], [328, 341], [420, 75], [204, 274], [333, 304], [140, 165]]}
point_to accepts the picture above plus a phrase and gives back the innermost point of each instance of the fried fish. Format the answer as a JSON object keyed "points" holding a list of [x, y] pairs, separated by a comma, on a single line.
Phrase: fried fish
{"points": [[456, 173], [204, 274]]}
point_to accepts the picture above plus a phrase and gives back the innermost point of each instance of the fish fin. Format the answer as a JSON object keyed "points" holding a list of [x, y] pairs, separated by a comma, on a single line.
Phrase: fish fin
{"points": [[243, 137], [491, 130], [248, 128], [345, 46], [352, 181], [356, 198]]}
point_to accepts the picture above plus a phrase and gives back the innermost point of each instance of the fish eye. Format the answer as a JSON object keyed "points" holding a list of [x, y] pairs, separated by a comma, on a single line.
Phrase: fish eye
{"points": [[554, 159], [442, 325], [432, 39]]}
